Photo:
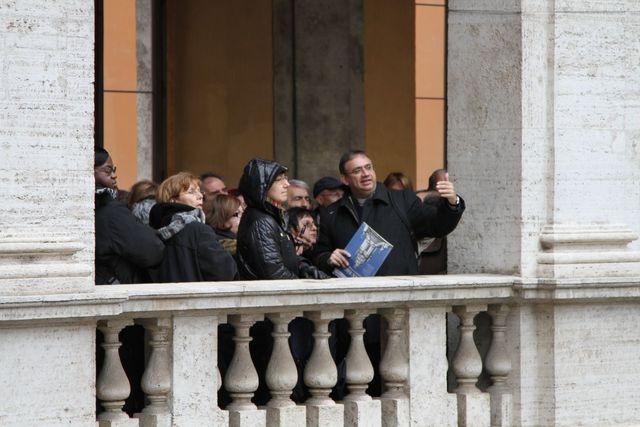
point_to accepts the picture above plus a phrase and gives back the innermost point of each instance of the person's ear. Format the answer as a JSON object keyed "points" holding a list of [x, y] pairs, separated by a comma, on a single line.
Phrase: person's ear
{"points": [[343, 179]]}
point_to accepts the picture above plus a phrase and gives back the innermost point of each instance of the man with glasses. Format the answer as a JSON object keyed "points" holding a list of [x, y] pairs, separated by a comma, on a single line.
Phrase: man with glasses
{"points": [[399, 216]]}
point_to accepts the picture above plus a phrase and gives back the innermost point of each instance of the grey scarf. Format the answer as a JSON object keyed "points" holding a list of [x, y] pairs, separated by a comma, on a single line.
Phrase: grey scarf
{"points": [[179, 221], [141, 210]]}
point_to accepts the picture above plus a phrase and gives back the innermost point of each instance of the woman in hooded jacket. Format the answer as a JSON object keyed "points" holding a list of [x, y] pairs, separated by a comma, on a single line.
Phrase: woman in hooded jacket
{"points": [[192, 252], [264, 248]]}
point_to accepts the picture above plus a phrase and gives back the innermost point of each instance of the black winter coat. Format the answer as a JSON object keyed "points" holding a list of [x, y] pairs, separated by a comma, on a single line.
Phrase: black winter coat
{"points": [[265, 250], [125, 247], [383, 212], [193, 254]]}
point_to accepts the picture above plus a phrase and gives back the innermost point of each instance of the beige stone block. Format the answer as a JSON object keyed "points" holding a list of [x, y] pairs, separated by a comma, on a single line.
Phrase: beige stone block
{"points": [[154, 420], [501, 408], [325, 416], [363, 413], [474, 410], [292, 416], [395, 412], [124, 422], [251, 418]]}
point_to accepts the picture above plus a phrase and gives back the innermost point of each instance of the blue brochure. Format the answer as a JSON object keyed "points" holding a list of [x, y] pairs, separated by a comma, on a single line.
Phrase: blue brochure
{"points": [[368, 251]]}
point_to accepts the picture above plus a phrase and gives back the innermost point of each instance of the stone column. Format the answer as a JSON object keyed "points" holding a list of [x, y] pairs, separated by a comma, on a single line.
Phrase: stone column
{"points": [[321, 374], [112, 385], [241, 379], [282, 376], [156, 380], [394, 370], [498, 364], [431, 404], [359, 408], [195, 376], [473, 406]]}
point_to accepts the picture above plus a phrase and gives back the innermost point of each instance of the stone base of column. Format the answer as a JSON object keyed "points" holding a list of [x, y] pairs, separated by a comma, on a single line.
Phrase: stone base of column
{"points": [[501, 404], [250, 418], [123, 422], [292, 416], [221, 418], [153, 420], [395, 412], [474, 409], [325, 416], [363, 413]]}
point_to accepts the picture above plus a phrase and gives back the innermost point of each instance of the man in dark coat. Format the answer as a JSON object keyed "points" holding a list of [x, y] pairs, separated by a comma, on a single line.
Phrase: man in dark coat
{"points": [[397, 215], [125, 247]]}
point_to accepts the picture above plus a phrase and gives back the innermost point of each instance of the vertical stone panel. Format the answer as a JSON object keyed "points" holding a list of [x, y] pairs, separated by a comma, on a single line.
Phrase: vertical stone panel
{"points": [[46, 133]]}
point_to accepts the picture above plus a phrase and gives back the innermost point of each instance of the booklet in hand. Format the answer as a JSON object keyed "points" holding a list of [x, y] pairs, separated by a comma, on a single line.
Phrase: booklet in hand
{"points": [[368, 251]]}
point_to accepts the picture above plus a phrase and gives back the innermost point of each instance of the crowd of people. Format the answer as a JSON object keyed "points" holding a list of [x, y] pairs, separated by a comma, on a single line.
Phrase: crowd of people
{"points": [[190, 228]]}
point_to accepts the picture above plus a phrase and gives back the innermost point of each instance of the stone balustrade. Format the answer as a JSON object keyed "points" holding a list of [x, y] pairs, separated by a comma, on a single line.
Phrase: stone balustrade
{"points": [[181, 377]]}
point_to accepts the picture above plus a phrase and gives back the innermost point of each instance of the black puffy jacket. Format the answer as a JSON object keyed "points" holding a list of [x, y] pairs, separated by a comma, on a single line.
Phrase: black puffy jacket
{"points": [[192, 252], [125, 247], [265, 250]]}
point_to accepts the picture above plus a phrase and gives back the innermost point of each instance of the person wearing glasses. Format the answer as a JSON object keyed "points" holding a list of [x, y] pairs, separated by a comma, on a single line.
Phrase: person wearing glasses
{"points": [[125, 248], [193, 253], [399, 216]]}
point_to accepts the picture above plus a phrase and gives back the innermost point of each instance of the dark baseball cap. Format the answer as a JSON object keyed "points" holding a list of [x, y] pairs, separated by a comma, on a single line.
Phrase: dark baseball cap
{"points": [[325, 183]]}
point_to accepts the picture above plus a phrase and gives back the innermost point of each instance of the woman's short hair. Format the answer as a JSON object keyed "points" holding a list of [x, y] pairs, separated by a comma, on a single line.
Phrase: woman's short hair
{"points": [[174, 185], [219, 209], [296, 215], [142, 190], [100, 157], [398, 177]]}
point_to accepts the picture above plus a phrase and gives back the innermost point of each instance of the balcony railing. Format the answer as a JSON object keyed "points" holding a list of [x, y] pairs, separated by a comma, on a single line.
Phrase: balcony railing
{"points": [[181, 378]]}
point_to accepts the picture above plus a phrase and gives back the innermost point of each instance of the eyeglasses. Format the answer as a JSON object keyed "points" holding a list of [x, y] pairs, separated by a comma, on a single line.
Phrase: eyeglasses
{"points": [[194, 192], [109, 170], [359, 170], [281, 178]]}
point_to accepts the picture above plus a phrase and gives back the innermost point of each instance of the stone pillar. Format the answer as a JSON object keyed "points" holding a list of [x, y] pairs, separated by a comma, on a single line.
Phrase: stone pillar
{"points": [[321, 374], [195, 376], [431, 404], [318, 84], [498, 364], [112, 385], [156, 380], [473, 406], [241, 379], [542, 137], [359, 408], [394, 370], [282, 376]]}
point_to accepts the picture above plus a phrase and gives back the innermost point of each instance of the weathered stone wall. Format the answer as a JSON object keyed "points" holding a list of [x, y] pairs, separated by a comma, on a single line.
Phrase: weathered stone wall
{"points": [[543, 134], [46, 144]]}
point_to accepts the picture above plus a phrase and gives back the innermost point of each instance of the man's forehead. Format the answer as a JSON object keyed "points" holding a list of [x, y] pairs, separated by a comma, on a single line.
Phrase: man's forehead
{"points": [[298, 189], [212, 180], [358, 160]]}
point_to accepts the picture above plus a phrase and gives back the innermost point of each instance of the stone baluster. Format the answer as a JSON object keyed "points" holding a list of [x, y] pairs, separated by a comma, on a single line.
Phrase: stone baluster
{"points": [[321, 374], [156, 380], [498, 364], [394, 366], [241, 379], [112, 386], [394, 369], [473, 406], [359, 408], [282, 376]]}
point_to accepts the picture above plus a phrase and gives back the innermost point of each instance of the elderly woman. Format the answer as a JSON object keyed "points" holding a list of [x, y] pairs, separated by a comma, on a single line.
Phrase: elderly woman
{"points": [[192, 252]]}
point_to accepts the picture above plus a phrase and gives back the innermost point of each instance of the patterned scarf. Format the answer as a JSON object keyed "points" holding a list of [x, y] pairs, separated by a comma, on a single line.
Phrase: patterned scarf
{"points": [[110, 192], [141, 210], [179, 221]]}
